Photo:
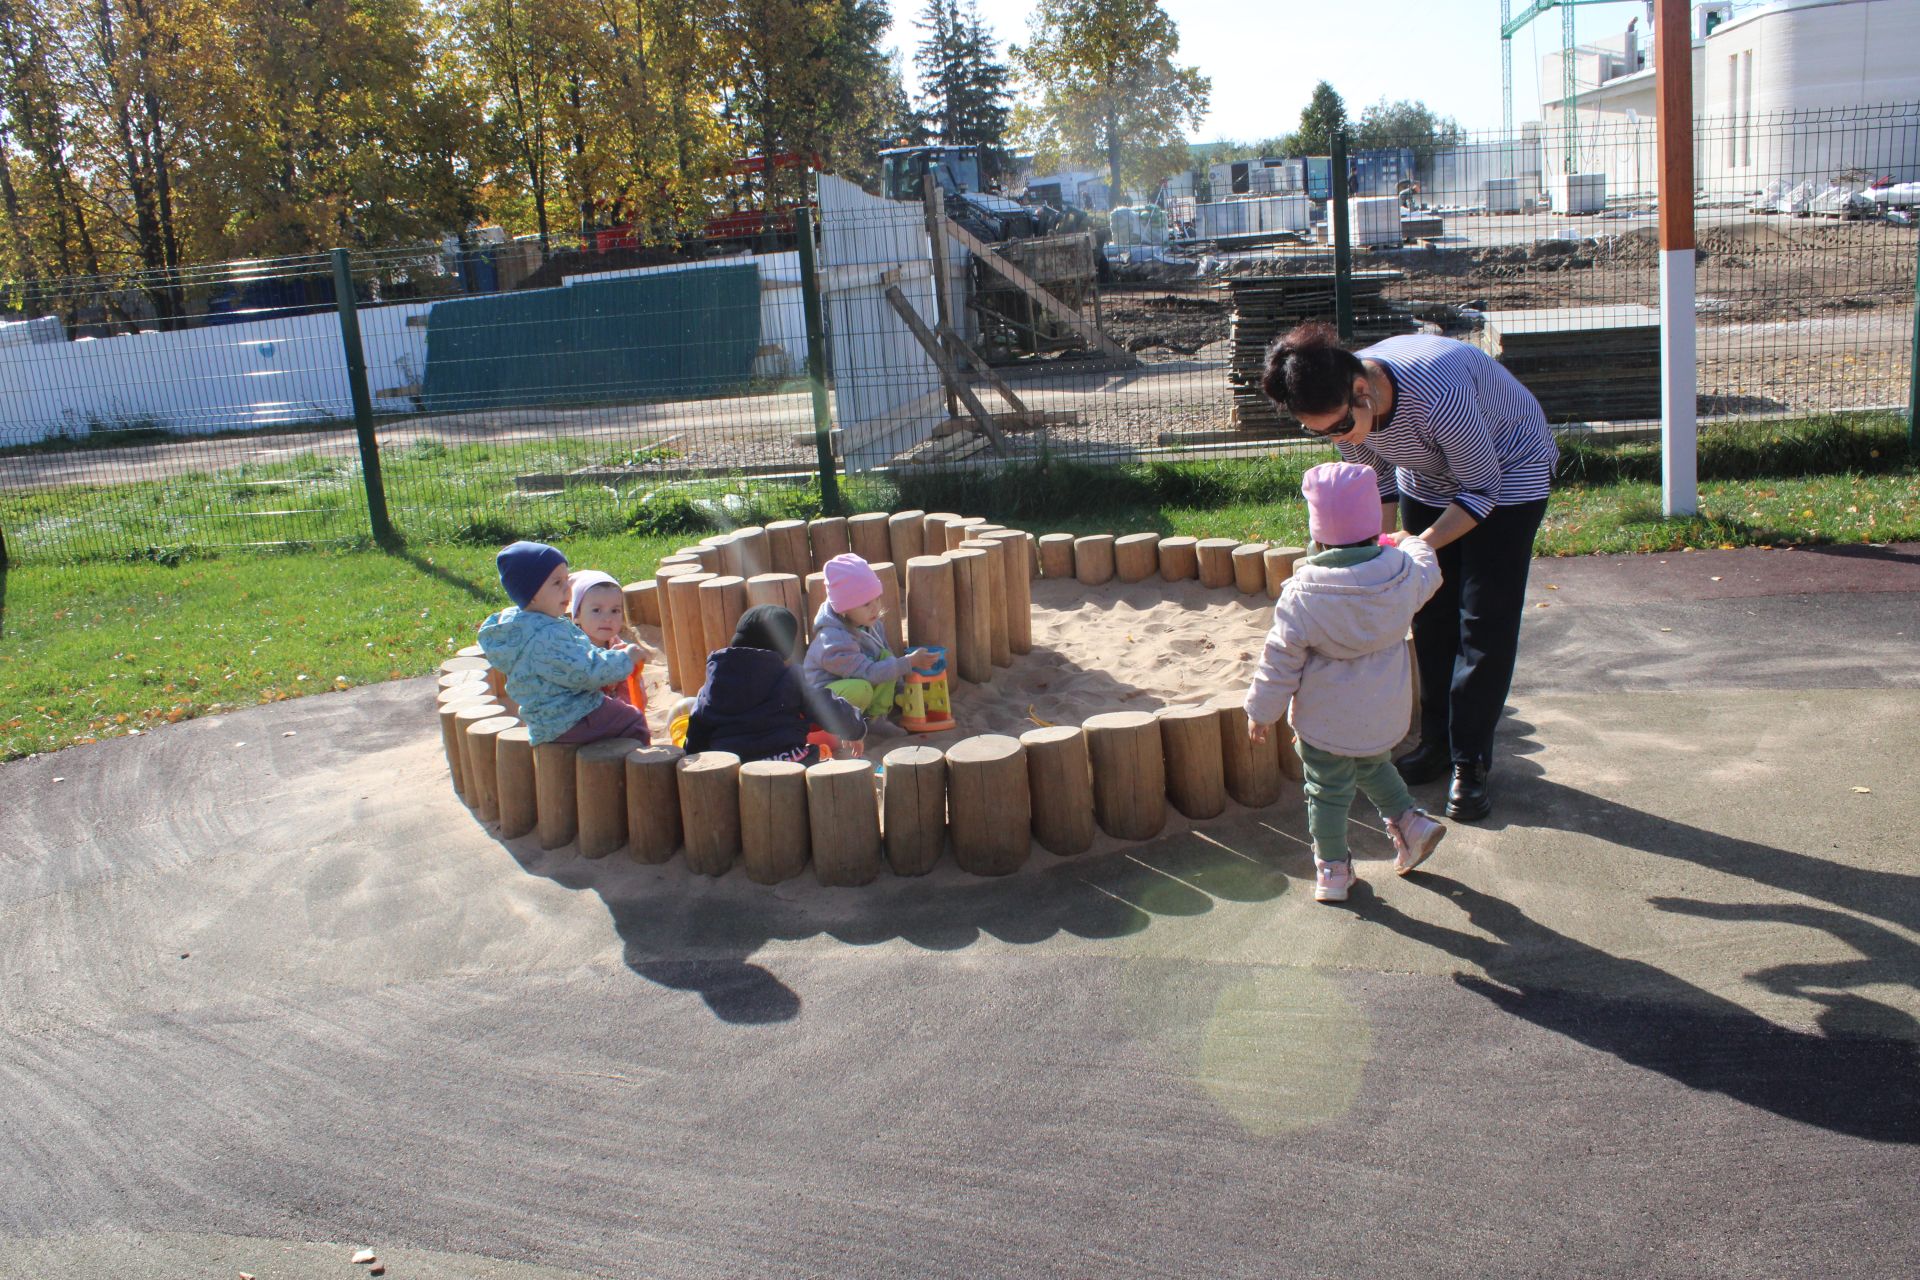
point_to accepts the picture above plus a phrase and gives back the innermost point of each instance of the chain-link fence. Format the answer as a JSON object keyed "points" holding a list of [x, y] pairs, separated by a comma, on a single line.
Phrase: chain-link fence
{"points": [[516, 390]]}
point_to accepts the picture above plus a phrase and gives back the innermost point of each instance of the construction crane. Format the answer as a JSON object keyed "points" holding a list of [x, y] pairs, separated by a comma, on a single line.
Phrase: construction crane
{"points": [[1569, 89]]}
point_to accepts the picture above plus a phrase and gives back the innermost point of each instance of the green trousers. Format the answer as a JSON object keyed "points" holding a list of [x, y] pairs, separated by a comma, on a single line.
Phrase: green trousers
{"points": [[869, 700], [1330, 783]]}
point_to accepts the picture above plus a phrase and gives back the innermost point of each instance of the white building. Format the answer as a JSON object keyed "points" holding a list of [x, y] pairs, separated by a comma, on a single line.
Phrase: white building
{"points": [[1779, 89]]}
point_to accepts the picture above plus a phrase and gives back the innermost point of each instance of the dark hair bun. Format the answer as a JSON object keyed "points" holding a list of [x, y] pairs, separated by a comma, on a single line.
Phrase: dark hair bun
{"points": [[1310, 335], [1308, 371]]}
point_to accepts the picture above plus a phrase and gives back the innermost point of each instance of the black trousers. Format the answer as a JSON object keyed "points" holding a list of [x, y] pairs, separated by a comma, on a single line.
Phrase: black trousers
{"points": [[1467, 636]]}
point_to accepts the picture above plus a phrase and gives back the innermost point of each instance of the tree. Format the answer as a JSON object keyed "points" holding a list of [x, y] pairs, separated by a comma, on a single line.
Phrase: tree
{"points": [[964, 87], [1323, 113], [1405, 124], [1108, 89]]}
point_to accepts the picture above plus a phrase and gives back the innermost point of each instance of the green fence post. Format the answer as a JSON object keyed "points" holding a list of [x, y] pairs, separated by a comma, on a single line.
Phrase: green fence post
{"points": [[1342, 237], [1913, 363], [817, 361], [356, 357]]}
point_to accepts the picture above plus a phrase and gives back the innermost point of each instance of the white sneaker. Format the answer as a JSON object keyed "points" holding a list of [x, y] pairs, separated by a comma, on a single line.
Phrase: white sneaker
{"points": [[1415, 836], [1331, 880]]}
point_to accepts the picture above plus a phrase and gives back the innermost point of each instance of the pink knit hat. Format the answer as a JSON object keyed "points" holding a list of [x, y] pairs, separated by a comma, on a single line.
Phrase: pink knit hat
{"points": [[1343, 503], [583, 581], [851, 582]]}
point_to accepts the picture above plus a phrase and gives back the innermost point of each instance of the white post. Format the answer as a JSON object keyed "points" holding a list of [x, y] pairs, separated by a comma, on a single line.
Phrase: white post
{"points": [[1679, 383]]}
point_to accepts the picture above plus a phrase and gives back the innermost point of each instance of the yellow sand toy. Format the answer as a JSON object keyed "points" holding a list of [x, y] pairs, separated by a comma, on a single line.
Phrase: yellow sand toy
{"points": [[925, 705]]}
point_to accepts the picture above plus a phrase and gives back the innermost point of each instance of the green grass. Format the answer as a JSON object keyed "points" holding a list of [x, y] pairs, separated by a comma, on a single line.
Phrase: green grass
{"points": [[100, 649]]}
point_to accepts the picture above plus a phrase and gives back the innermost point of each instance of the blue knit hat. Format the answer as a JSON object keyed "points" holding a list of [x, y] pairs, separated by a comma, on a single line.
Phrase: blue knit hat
{"points": [[525, 568]]}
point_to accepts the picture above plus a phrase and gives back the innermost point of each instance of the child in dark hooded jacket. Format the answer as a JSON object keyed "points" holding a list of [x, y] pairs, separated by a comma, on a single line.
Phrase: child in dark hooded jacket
{"points": [[756, 703]]}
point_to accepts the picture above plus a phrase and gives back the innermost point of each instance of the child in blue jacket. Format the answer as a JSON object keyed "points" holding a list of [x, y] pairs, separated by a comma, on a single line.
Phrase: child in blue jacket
{"points": [[553, 670], [757, 705]]}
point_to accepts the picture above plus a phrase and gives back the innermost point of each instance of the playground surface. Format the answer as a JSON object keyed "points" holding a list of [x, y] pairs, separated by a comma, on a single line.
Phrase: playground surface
{"points": [[273, 995]]}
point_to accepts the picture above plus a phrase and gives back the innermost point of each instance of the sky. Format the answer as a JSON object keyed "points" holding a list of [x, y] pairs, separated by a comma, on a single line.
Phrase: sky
{"points": [[1266, 55]]}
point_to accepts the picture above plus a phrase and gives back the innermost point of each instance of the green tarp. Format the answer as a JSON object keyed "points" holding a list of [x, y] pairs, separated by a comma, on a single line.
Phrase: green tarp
{"points": [[669, 335]]}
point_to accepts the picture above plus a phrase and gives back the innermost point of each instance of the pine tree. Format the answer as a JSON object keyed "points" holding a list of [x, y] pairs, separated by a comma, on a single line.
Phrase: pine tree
{"points": [[963, 83]]}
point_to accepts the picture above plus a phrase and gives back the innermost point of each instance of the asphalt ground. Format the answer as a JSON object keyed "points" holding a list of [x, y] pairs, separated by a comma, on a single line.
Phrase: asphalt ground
{"points": [[270, 995]]}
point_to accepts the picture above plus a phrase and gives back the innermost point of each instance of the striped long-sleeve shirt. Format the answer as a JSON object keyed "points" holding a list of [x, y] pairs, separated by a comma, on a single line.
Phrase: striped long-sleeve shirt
{"points": [[1462, 429]]}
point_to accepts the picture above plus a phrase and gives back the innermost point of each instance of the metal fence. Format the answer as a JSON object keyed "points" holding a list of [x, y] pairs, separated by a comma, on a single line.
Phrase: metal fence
{"points": [[516, 391]]}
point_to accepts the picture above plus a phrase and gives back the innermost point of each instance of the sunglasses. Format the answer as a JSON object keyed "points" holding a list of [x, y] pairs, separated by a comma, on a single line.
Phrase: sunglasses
{"points": [[1339, 428]]}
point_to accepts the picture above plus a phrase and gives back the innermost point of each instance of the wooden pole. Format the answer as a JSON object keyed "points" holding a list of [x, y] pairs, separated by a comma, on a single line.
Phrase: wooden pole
{"points": [[709, 784], [867, 532], [465, 716], [782, 589], [722, 601], [1179, 559], [843, 816], [466, 662], [1129, 774], [973, 614], [956, 381], [773, 820], [450, 737], [1196, 777], [653, 803], [1060, 781], [483, 740], [1136, 556], [1041, 298], [1093, 559], [1279, 562], [893, 621], [1250, 568], [906, 538], [816, 596], [554, 780], [643, 603], [934, 529], [1679, 374], [916, 809], [600, 790], [931, 604], [1252, 772], [1018, 569], [670, 639], [787, 547], [689, 636], [936, 211], [999, 647], [1056, 555], [752, 551], [513, 782], [712, 557], [827, 538], [1216, 562], [990, 804]]}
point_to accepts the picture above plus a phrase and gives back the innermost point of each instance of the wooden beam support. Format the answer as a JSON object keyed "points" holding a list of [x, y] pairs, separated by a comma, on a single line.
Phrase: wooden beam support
{"points": [[948, 373], [1046, 301]]}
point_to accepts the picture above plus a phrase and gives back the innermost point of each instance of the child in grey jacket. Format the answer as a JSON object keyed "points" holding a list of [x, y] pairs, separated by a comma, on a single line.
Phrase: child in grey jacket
{"points": [[848, 657], [1338, 652]]}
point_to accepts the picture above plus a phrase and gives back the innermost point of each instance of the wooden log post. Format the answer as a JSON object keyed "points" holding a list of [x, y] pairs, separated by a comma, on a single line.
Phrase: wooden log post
{"points": [[782, 589], [773, 820], [653, 803], [722, 601], [893, 621], [906, 538], [867, 535], [1060, 781], [827, 538], [470, 651], [465, 716], [1196, 771], [1136, 556], [730, 561], [555, 796], [1279, 562], [460, 680], [643, 603], [787, 546], [930, 604], [1249, 568], [958, 531], [1179, 559], [450, 735], [709, 784], [999, 645], [934, 527], [483, 741], [990, 806], [1129, 774], [816, 596], [670, 623], [1017, 547], [712, 556], [752, 551], [1284, 747], [1056, 555], [843, 817], [1093, 559], [972, 659], [915, 822], [600, 791], [513, 782], [689, 636], [1252, 772], [463, 662], [1216, 561]]}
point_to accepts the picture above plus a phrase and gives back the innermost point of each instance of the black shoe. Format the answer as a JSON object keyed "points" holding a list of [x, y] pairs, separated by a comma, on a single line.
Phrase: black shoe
{"points": [[1427, 762], [1469, 798]]}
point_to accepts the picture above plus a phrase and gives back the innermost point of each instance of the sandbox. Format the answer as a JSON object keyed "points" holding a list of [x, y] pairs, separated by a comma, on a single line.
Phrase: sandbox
{"points": [[1096, 684]]}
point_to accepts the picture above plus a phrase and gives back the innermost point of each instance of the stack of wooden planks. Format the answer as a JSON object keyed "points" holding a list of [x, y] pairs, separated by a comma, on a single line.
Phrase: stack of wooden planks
{"points": [[1584, 364], [1264, 307]]}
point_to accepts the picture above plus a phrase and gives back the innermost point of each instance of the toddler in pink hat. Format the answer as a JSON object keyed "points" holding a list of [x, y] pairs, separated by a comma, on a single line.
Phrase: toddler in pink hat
{"points": [[848, 655], [1337, 653]]}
